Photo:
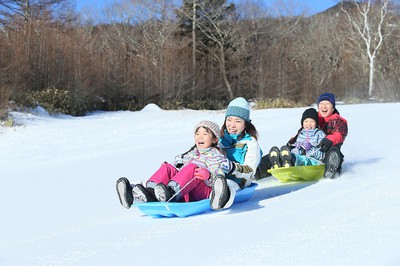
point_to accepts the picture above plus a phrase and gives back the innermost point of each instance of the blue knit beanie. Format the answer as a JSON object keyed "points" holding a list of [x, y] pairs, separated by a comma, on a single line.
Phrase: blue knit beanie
{"points": [[239, 107], [327, 97]]}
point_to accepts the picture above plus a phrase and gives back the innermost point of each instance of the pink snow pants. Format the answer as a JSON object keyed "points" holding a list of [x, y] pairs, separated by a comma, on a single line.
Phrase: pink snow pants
{"points": [[195, 191]]}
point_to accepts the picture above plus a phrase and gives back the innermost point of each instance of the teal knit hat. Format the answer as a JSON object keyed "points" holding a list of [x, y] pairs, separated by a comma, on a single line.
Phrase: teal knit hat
{"points": [[239, 107]]}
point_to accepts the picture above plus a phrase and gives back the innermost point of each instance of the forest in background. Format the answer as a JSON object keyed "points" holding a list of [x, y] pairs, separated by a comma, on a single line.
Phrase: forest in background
{"points": [[198, 55]]}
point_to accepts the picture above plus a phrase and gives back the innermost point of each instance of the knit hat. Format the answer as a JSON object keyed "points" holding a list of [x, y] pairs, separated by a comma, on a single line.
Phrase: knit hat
{"points": [[210, 125], [239, 107], [327, 97], [310, 113]]}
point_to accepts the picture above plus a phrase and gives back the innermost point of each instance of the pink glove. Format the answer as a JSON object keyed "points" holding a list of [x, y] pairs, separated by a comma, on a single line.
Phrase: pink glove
{"points": [[201, 173]]}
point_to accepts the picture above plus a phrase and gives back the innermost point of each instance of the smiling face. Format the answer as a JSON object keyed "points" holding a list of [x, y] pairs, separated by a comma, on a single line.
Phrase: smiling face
{"points": [[234, 125], [309, 123], [204, 138], [325, 108]]}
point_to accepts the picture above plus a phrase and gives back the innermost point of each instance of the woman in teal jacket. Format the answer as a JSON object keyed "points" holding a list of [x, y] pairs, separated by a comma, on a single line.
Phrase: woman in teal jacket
{"points": [[239, 141]]}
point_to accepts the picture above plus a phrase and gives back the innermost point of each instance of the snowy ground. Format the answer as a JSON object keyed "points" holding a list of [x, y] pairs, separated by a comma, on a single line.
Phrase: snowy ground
{"points": [[59, 205]]}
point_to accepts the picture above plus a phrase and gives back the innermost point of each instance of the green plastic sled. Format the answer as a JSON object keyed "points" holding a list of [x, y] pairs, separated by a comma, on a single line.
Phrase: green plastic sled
{"points": [[298, 173]]}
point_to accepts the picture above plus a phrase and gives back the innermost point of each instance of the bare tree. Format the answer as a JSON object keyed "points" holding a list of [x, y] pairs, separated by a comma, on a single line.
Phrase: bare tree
{"points": [[256, 33], [369, 20], [319, 47], [217, 33], [194, 47], [31, 30], [143, 28], [222, 34], [15, 11]]}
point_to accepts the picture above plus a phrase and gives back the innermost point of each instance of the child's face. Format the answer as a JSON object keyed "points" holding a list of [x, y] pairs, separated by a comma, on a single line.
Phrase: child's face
{"points": [[204, 139], [235, 125], [325, 108], [309, 123]]}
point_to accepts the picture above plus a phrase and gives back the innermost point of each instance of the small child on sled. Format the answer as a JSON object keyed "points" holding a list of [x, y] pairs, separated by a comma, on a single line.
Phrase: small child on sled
{"points": [[304, 150], [189, 178]]}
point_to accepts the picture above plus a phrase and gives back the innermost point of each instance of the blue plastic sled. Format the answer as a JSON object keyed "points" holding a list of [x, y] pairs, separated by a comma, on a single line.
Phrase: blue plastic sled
{"points": [[184, 209]]}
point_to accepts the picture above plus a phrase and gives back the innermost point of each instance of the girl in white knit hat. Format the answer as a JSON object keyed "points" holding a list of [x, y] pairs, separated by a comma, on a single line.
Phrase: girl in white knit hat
{"points": [[190, 177]]}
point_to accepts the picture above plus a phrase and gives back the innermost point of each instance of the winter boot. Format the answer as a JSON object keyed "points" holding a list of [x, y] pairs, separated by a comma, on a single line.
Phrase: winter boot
{"points": [[142, 194], [286, 156], [274, 157], [163, 193], [332, 164], [219, 194], [124, 191]]}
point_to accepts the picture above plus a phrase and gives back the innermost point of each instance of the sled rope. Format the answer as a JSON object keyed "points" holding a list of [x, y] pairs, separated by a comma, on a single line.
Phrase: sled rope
{"points": [[179, 191]]}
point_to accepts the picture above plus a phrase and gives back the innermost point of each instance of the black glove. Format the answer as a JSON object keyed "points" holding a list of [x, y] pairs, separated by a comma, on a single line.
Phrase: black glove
{"points": [[291, 142], [325, 145]]}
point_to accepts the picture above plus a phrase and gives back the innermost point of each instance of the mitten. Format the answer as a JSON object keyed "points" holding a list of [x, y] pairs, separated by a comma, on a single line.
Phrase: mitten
{"points": [[178, 162], [297, 145], [306, 145], [201, 173], [227, 166], [291, 142], [325, 145]]}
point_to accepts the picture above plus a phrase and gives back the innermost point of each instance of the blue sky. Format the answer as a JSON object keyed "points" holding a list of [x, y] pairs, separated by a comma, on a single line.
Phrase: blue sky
{"points": [[314, 6]]}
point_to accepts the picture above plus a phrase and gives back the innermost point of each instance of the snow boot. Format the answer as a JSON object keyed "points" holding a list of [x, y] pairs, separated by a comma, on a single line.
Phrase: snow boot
{"points": [[219, 194], [142, 194], [274, 157], [124, 191], [163, 193], [332, 164], [286, 156]]}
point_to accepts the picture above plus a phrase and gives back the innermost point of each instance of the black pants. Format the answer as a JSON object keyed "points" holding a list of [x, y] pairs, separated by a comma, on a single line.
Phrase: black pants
{"points": [[264, 165], [335, 149]]}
